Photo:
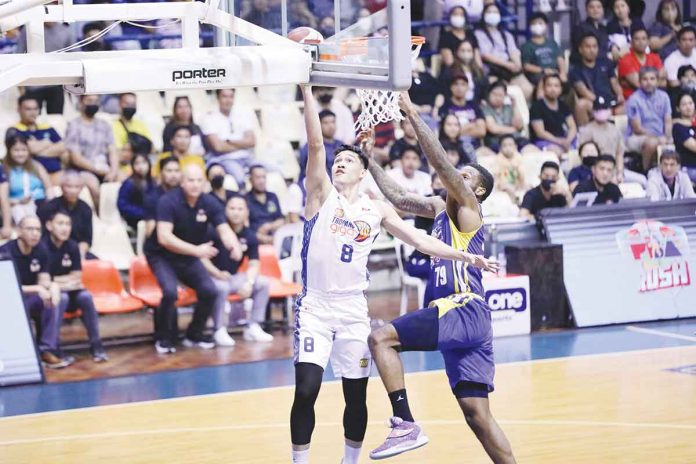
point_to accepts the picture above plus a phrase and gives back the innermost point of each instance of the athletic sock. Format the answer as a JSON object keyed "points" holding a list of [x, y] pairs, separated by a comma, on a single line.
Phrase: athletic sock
{"points": [[351, 455], [300, 457], [399, 402]]}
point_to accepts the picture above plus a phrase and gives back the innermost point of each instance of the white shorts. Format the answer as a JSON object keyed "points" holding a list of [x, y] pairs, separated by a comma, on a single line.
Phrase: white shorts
{"points": [[336, 329]]}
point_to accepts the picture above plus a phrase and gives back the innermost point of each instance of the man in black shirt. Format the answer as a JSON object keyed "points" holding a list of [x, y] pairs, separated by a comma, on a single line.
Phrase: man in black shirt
{"points": [[548, 194], [552, 125], [71, 185], [594, 23], [265, 215], [170, 177], [40, 295], [65, 267], [183, 217], [602, 174], [249, 284]]}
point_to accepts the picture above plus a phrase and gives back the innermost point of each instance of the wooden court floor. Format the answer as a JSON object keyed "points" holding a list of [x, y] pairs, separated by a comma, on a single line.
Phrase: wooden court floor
{"points": [[610, 408]]}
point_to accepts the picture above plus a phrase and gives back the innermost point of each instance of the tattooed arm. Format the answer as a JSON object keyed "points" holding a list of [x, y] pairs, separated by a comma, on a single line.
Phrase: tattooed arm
{"points": [[437, 157], [396, 194]]}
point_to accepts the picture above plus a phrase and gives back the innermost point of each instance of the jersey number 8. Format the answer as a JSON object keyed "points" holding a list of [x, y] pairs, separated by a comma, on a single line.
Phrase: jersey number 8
{"points": [[347, 253]]}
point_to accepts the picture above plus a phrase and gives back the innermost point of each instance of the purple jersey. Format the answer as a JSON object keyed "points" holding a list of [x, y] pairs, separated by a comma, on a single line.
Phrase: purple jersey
{"points": [[448, 277]]}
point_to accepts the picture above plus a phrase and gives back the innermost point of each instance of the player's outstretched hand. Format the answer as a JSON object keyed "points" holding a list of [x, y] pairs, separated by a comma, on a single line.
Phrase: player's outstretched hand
{"points": [[405, 103], [482, 262], [366, 140]]}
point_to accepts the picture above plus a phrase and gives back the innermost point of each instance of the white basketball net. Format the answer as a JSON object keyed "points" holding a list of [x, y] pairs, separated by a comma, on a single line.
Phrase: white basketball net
{"points": [[380, 106]]}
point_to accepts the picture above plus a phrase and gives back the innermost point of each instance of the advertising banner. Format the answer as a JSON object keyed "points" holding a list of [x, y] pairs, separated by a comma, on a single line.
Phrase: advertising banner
{"points": [[508, 298], [627, 264]]}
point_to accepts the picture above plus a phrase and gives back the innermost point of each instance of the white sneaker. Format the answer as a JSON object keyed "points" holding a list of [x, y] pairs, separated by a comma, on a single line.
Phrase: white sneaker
{"points": [[222, 337], [254, 333]]}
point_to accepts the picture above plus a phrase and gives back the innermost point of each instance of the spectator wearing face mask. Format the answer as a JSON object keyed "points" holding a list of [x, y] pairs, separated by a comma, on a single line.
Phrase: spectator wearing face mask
{"points": [[91, 147], [669, 182], [130, 133], [499, 51], [465, 64], [216, 177], [609, 140], [550, 193], [602, 174], [588, 151], [454, 34], [541, 55]]}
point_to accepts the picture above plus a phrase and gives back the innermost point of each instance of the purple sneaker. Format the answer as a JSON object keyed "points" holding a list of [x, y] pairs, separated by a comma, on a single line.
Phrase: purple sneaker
{"points": [[405, 436]]}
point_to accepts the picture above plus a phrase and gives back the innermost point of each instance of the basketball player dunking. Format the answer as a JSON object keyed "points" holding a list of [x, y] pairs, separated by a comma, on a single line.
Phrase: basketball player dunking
{"points": [[457, 322], [331, 320]]}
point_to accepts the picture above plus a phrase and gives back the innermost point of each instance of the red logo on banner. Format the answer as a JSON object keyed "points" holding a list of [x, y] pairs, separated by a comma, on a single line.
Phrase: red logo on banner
{"points": [[662, 252]]}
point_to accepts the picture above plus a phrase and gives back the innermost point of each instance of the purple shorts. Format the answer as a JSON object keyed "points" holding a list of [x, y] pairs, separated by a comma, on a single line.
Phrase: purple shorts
{"points": [[463, 335]]}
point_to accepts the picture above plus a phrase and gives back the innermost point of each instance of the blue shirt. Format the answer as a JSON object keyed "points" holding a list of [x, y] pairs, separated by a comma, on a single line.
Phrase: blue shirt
{"points": [[40, 132], [330, 148], [250, 247], [190, 222], [262, 213], [650, 110], [35, 186], [579, 174], [597, 79], [28, 266], [131, 200]]}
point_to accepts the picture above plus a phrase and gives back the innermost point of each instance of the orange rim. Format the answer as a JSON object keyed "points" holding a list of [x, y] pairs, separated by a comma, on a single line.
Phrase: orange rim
{"points": [[359, 46]]}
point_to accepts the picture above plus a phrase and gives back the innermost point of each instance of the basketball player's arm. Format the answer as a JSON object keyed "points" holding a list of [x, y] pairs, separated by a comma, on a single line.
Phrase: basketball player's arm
{"points": [[437, 157], [400, 198], [425, 243], [317, 181]]}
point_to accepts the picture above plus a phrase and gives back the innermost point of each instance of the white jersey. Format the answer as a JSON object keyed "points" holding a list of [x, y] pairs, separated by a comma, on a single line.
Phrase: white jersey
{"points": [[337, 242]]}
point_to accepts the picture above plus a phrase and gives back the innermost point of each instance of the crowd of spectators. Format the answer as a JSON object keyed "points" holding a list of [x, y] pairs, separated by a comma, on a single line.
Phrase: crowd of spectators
{"points": [[204, 197]]}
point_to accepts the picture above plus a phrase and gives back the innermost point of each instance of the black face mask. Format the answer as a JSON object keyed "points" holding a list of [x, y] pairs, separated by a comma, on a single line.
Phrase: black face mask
{"points": [[546, 184], [325, 98], [589, 161], [128, 112], [217, 182], [91, 110]]}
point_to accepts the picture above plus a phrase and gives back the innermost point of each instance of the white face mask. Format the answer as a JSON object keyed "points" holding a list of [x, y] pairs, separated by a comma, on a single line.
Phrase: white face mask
{"points": [[457, 21], [602, 115], [466, 57], [492, 19], [538, 29]]}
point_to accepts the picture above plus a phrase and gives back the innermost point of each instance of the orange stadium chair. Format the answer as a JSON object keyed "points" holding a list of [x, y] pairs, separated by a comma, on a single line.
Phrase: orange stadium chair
{"points": [[270, 268], [102, 280], [143, 285]]}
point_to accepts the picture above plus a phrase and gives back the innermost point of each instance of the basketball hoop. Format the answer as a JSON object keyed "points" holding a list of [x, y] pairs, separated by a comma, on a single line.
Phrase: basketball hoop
{"points": [[377, 106]]}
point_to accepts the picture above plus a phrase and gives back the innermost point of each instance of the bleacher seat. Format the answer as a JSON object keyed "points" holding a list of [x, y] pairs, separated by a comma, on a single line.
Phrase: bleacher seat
{"points": [[108, 198], [111, 243], [276, 183], [201, 102], [499, 204], [57, 121], [150, 103], [230, 183], [531, 165], [632, 190], [276, 94], [270, 267], [282, 122], [277, 153], [517, 96], [407, 281], [103, 281], [140, 237], [143, 285], [85, 196], [287, 242], [154, 122]]}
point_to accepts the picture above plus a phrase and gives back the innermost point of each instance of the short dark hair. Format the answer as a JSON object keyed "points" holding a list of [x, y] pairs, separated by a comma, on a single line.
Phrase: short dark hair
{"points": [[326, 114], [505, 137], [92, 26], [684, 69], [486, 180], [684, 30], [587, 4], [495, 85], [355, 149], [59, 212], [165, 161], [409, 149], [26, 97], [120, 97], [550, 165], [551, 76], [670, 154], [638, 27], [538, 15], [586, 35], [217, 91], [181, 127], [255, 167], [607, 158], [458, 76], [644, 70]]}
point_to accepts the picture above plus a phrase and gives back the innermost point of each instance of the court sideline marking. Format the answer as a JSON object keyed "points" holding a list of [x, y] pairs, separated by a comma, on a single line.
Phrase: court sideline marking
{"points": [[660, 333], [434, 422], [281, 387]]}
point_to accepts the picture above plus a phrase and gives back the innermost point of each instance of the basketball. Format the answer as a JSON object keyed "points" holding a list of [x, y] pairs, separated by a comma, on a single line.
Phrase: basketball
{"points": [[305, 35]]}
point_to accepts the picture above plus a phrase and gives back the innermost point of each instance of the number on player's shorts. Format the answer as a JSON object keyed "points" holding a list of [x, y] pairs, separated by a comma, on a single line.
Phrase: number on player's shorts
{"points": [[440, 276], [347, 254], [309, 345]]}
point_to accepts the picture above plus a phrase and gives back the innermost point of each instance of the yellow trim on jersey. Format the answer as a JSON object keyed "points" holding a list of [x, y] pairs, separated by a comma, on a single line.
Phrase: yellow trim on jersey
{"points": [[39, 126], [461, 241], [448, 303]]}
